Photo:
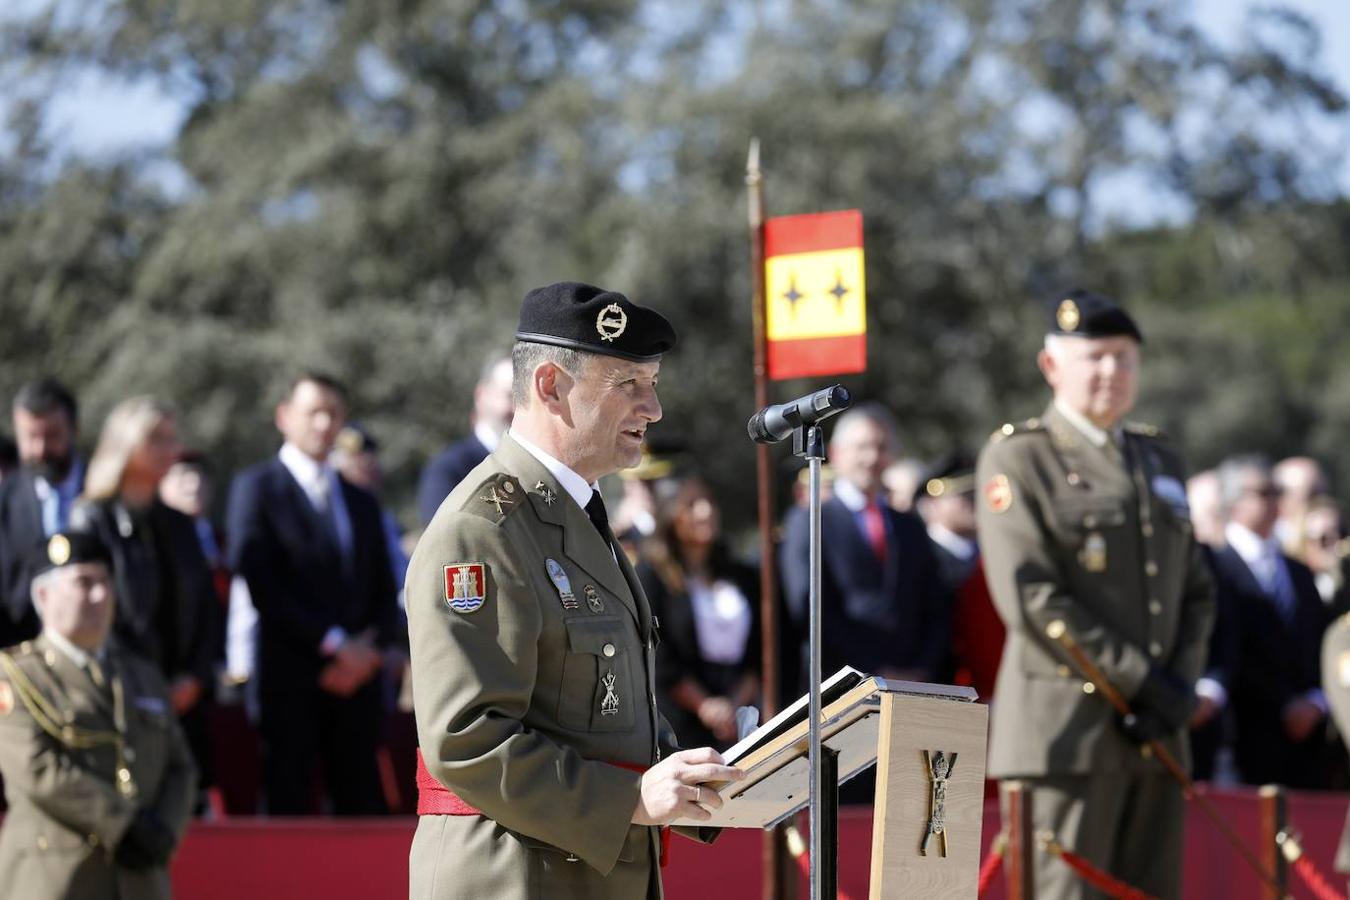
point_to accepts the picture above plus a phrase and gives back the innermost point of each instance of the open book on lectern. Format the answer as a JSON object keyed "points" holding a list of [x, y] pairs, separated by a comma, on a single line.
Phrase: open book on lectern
{"points": [[774, 756]]}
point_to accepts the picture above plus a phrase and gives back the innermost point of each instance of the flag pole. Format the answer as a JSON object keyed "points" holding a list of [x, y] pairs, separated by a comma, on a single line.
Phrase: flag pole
{"points": [[768, 587]]}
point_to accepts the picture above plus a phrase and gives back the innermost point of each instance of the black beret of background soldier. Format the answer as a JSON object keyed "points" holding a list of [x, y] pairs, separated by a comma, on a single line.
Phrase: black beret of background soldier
{"points": [[98, 776]]}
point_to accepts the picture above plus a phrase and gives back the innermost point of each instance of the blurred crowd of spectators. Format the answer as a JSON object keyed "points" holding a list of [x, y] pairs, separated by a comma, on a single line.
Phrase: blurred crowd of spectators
{"points": [[283, 640]]}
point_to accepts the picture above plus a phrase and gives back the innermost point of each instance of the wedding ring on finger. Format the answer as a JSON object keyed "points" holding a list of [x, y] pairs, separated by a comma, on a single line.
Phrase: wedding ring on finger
{"points": [[698, 794]]}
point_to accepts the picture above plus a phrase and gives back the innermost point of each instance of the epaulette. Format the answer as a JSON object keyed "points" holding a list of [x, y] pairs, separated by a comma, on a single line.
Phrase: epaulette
{"points": [[1143, 429], [1008, 429], [496, 497]]}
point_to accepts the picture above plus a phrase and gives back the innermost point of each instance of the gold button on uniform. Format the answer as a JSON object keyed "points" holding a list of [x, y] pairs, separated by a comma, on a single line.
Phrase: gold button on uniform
{"points": [[1089, 687], [1147, 530], [1155, 607], [1151, 569], [42, 842], [608, 650], [1063, 671], [1155, 648]]}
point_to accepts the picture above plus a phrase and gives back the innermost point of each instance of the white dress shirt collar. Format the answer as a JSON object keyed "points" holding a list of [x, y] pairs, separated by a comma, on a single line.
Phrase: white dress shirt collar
{"points": [[1254, 549], [76, 655], [960, 547], [574, 484], [1097, 435], [849, 495], [312, 475]]}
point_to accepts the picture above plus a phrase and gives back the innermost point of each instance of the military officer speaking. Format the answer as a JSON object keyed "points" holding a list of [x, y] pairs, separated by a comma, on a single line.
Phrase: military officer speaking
{"points": [[99, 779], [1083, 520], [543, 761]]}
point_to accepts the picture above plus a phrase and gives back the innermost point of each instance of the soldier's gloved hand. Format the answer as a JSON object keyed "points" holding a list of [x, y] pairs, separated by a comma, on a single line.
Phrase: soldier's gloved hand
{"points": [[1144, 727], [1165, 697], [147, 842]]}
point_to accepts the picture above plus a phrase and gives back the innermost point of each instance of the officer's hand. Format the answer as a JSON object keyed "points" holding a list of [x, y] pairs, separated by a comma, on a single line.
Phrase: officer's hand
{"points": [[1167, 697], [1143, 726], [147, 842], [678, 787]]}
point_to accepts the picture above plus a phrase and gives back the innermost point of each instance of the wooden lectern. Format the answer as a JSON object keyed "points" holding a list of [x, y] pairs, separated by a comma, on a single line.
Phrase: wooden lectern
{"points": [[928, 742]]}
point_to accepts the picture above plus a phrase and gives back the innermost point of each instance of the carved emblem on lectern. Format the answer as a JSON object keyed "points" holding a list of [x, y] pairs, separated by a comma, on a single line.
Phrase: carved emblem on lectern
{"points": [[940, 766]]}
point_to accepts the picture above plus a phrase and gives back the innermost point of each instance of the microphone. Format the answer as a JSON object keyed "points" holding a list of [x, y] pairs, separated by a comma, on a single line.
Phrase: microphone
{"points": [[773, 423]]}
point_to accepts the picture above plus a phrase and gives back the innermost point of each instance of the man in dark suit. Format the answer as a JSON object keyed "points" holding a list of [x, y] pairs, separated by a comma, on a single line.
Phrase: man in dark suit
{"points": [[311, 548], [491, 418], [882, 607], [35, 500], [1277, 622]]}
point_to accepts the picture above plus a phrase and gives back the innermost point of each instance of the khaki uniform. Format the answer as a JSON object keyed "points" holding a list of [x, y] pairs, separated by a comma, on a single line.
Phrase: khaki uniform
{"points": [[524, 702], [1336, 685], [1098, 537], [59, 754]]}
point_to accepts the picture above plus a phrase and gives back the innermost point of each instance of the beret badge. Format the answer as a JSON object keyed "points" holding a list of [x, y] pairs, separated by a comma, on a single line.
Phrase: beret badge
{"points": [[611, 322], [58, 550], [1067, 316]]}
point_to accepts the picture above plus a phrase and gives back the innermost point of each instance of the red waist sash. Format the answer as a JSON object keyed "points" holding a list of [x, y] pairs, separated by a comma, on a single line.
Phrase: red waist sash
{"points": [[435, 799]]}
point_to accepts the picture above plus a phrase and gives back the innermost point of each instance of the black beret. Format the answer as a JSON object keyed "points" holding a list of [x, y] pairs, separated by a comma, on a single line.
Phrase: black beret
{"points": [[66, 548], [594, 320], [1082, 313], [952, 474]]}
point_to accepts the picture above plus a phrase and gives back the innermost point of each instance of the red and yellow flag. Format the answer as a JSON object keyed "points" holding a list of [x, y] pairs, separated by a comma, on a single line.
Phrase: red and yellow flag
{"points": [[816, 315]]}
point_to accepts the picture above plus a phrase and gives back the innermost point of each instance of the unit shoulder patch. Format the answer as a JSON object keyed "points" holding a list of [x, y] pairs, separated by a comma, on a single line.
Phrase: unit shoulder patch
{"points": [[998, 495], [466, 586]]}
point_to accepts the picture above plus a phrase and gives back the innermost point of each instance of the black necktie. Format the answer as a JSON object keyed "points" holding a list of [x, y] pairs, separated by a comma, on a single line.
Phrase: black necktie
{"points": [[595, 508]]}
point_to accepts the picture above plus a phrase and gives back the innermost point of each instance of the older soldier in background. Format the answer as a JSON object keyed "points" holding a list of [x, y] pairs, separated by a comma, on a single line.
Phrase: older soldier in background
{"points": [[1083, 520], [98, 776], [543, 759]]}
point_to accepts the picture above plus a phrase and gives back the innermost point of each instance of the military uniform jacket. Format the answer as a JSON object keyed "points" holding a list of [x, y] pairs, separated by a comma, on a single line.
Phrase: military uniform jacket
{"points": [[532, 663], [1336, 686], [1100, 539], [66, 813]]}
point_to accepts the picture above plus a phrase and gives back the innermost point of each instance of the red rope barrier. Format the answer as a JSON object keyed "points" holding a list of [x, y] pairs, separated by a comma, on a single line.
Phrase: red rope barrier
{"points": [[992, 863], [1315, 880], [1092, 875], [796, 846]]}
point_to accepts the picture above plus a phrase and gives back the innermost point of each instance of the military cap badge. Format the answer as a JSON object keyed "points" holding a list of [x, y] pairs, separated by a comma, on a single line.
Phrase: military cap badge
{"points": [[466, 586], [1067, 316], [58, 549], [611, 322]]}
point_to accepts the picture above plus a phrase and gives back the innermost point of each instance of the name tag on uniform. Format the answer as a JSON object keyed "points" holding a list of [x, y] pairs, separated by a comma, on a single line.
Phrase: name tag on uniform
{"points": [[1174, 493]]}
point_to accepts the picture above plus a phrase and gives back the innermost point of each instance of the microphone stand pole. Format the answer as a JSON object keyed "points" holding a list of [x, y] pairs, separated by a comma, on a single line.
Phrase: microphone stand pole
{"points": [[808, 442]]}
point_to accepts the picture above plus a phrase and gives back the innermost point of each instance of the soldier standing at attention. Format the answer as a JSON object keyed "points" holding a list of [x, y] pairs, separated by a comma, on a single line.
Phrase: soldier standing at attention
{"points": [[1083, 519], [98, 776], [543, 761]]}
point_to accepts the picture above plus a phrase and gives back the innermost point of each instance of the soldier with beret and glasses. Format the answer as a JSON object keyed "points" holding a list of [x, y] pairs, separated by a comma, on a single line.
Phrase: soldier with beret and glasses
{"points": [[1083, 520], [544, 765], [98, 776]]}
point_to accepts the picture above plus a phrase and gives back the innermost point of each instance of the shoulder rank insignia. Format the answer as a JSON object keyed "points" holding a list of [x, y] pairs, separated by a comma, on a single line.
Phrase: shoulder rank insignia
{"points": [[466, 586], [998, 493], [501, 496]]}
